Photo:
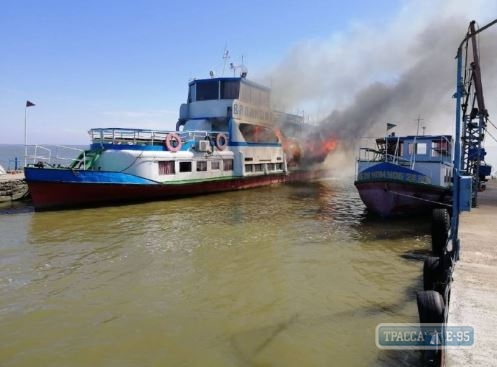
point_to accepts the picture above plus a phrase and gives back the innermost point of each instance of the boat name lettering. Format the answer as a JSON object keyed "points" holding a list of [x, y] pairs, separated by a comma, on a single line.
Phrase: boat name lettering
{"points": [[251, 113], [392, 175]]}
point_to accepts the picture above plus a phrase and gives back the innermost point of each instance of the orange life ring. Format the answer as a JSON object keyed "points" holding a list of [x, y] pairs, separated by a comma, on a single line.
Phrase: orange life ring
{"points": [[173, 142], [221, 141]]}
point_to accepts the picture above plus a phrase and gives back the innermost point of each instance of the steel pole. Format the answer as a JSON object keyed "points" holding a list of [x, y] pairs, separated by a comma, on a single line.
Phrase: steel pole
{"points": [[457, 159], [25, 137]]}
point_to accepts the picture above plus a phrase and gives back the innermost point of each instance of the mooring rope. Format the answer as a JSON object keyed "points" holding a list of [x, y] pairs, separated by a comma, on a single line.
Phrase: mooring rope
{"points": [[414, 197]]}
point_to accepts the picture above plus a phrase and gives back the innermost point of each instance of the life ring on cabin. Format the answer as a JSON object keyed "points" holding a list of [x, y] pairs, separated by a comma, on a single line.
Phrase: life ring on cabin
{"points": [[221, 141], [173, 142]]}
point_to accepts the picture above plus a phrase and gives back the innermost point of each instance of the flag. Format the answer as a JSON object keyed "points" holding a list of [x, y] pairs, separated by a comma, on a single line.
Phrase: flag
{"points": [[390, 126], [29, 104]]}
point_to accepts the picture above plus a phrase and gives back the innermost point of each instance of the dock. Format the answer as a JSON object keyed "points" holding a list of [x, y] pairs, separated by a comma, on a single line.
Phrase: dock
{"points": [[12, 187], [473, 300]]}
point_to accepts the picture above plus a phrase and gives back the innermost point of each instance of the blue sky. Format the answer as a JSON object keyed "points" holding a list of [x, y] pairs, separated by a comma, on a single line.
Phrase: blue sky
{"points": [[110, 63], [103, 63]]}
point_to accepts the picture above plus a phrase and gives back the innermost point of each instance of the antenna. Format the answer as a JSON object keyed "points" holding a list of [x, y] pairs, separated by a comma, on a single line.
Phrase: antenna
{"points": [[419, 119], [226, 57], [415, 147]]}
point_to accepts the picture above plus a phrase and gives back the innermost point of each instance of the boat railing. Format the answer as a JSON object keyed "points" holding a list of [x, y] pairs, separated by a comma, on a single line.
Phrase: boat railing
{"points": [[127, 136], [39, 155], [55, 156], [192, 135], [145, 137], [374, 155], [61, 160], [396, 159], [371, 155]]}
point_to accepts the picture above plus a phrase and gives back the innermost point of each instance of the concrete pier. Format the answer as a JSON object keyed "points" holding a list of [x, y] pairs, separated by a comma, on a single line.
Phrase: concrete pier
{"points": [[473, 299], [12, 187]]}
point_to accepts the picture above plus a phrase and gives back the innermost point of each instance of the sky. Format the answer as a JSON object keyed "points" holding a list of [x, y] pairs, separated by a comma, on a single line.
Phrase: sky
{"points": [[354, 65]]}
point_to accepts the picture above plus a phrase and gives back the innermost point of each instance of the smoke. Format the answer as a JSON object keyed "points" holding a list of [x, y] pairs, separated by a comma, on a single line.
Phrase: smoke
{"points": [[360, 79]]}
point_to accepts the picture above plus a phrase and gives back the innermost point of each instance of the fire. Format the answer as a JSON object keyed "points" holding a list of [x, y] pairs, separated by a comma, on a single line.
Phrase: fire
{"points": [[330, 145], [311, 149], [317, 149]]}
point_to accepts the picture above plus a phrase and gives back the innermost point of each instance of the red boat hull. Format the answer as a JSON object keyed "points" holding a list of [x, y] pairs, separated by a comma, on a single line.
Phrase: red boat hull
{"points": [[56, 195]]}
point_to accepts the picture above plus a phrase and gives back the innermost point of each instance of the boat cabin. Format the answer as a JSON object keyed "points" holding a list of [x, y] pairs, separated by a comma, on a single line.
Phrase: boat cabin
{"points": [[428, 155], [406, 150], [213, 102]]}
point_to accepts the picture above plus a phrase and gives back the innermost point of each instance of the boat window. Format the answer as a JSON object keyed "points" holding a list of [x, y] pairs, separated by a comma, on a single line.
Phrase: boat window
{"points": [[230, 89], [207, 91], [421, 148], [201, 166], [215, 165], [192, 96], [257, 134], [258, 167], [166, 168], [440, 148], [185, 166], [270, 167], [227, 164], [279, 166], [249, 168]]}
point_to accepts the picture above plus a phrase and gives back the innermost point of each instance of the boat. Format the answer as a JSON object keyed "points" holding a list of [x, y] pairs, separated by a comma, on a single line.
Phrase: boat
{"points": [[227, 137], [405, 175]]}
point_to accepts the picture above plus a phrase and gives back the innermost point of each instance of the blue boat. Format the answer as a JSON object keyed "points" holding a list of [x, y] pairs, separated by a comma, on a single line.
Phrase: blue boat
{"points": [[406, 174]]}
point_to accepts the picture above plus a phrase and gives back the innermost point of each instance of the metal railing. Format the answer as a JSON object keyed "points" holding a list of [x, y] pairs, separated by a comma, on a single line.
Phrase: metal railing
{"points": [[41, 155], [144, 137]]}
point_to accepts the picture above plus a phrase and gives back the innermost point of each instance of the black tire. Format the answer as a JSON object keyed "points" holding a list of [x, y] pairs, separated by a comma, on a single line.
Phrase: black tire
{"points": [[431, 307], [432, 273], [440, 226]]}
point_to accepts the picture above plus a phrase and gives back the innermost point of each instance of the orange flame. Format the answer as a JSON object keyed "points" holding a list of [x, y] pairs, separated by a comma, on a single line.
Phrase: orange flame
{"points": [[312, 149], [330, 145]]}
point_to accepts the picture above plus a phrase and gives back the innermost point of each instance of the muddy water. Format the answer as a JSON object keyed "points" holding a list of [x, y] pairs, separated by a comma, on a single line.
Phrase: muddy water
{"points": [[292, 275]]}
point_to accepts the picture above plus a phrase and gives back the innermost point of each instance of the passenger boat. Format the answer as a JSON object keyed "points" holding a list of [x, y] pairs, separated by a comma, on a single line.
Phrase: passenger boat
{"points": [[227, 138], [405, 175]]}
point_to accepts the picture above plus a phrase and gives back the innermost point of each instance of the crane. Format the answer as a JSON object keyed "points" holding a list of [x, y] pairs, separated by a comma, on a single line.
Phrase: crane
{"points": [[474, 116]]}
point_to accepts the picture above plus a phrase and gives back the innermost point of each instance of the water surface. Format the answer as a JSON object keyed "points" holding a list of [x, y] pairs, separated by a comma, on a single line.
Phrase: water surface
{"points": [[292, 275]]}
